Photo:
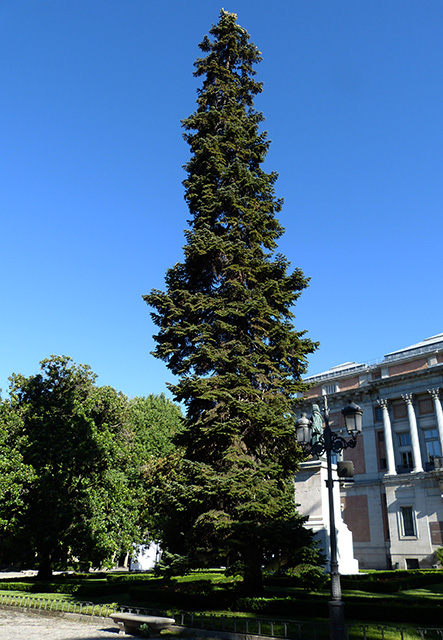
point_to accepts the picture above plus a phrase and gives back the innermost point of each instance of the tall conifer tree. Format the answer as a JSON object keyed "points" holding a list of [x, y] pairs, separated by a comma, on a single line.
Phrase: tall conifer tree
{"points": [[226, 327]]}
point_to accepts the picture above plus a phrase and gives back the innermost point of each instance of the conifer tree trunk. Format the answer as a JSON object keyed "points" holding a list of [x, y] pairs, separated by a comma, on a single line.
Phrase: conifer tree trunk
{"points": [[226, 329], [45, 568]]}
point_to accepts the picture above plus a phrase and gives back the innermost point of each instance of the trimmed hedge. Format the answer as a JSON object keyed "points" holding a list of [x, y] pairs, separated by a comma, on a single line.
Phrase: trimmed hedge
{"points": [[83, 589], [16, 586], [392, 581], [103, 589], [131, 577], [357, 609], [422, 614], [174, 596], [292, 607]]}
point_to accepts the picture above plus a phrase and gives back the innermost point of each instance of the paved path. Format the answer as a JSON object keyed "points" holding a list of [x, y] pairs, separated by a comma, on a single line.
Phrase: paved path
{"points": [[15, 625]]}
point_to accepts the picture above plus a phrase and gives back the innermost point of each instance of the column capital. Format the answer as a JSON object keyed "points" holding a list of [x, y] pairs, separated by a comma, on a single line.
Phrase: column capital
{"points": [[383, 403], [435, 393], [407, 397]]}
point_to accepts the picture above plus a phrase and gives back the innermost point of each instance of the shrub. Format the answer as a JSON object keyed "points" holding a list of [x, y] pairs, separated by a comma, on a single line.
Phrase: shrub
{"points": [[145, 631], [102, 589], [55, 587], [191, 597], [309, 577], [96, 588], [392, 581], [399, 611], [130, 577], [283, 606], [16, 586]]}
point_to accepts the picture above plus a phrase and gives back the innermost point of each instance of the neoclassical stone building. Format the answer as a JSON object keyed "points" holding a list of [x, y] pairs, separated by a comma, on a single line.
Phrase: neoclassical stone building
{"points": [[394, 508]]}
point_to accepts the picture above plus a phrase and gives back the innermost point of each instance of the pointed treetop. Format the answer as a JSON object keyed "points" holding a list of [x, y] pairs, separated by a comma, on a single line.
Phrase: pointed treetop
{"points": [[228, 13]]}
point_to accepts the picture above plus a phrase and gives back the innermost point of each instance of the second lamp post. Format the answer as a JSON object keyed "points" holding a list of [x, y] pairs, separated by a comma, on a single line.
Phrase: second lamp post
{"points": [[328, 442]]}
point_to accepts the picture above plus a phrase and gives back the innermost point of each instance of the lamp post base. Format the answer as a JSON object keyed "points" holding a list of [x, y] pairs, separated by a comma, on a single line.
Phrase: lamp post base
{"points": [[336, 619]]}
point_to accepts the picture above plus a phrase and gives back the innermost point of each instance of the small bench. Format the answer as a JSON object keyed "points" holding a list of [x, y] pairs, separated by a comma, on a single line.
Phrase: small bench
{"points": [[131, 622]]}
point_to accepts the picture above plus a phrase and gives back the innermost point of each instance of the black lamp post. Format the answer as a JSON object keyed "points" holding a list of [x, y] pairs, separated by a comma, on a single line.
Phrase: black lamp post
{"points": [[328, 442]]}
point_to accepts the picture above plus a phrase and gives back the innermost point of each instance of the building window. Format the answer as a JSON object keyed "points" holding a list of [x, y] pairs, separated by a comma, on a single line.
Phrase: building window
{"points": [[407, 521], [406, 460], [376, 375], [399, 411], [412, 563], [330, 388], [433, 448], [404, 443], [404, 439], [381, 450], [378, 414], [425, 406]]}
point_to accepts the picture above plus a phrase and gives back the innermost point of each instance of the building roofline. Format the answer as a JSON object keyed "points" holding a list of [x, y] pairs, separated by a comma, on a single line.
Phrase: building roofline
{"points": [[430, 345]]}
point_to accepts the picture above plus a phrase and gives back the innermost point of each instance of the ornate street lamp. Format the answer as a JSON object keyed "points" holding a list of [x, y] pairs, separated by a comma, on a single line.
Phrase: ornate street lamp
{"points": [[318, 444]]}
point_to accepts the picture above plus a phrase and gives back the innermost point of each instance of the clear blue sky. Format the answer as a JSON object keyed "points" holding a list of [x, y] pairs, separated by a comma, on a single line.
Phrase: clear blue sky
{"points": [[91, 155]]}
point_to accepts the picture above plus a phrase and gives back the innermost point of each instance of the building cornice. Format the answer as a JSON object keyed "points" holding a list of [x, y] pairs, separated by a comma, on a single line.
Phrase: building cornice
{"points": [[408, 479], [396, 357], [378, 387], [370, 390]]}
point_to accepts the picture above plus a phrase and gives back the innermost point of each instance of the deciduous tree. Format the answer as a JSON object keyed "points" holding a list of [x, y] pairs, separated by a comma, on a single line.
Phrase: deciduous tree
{"points": [[79, 504], [153, 421], [15, 476]]}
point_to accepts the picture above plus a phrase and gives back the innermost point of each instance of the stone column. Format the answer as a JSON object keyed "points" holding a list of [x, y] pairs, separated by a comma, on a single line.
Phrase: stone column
{"points": [[438, 413], [389, 446], [416, 455]]}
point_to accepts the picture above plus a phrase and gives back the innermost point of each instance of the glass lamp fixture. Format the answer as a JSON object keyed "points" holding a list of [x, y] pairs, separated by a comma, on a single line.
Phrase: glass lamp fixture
{"points": [[353, 416]]}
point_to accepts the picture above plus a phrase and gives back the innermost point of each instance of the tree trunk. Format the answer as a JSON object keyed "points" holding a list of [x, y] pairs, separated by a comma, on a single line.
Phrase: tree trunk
{"points": [[252, 578], [45, 569]]}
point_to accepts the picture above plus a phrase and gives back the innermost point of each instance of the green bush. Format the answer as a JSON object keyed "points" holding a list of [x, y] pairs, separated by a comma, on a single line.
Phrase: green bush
{"points": [[20, 579], [16, 586], [96, 588], [55, 587], [393, 612], [145, 631], [102, 589], [130, 577], [357, 609], [392, 581], [309, 577], [191, 597], [288, 606]]}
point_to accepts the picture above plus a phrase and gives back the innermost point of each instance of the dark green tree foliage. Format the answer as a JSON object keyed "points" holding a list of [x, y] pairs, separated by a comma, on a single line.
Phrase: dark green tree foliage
{"points": [[15, 476], [226, 327], [79, 503]]}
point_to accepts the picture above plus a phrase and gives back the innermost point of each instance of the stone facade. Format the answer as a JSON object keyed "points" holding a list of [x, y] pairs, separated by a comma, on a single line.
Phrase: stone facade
{"points": [[394, 509], [312, 494]]}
